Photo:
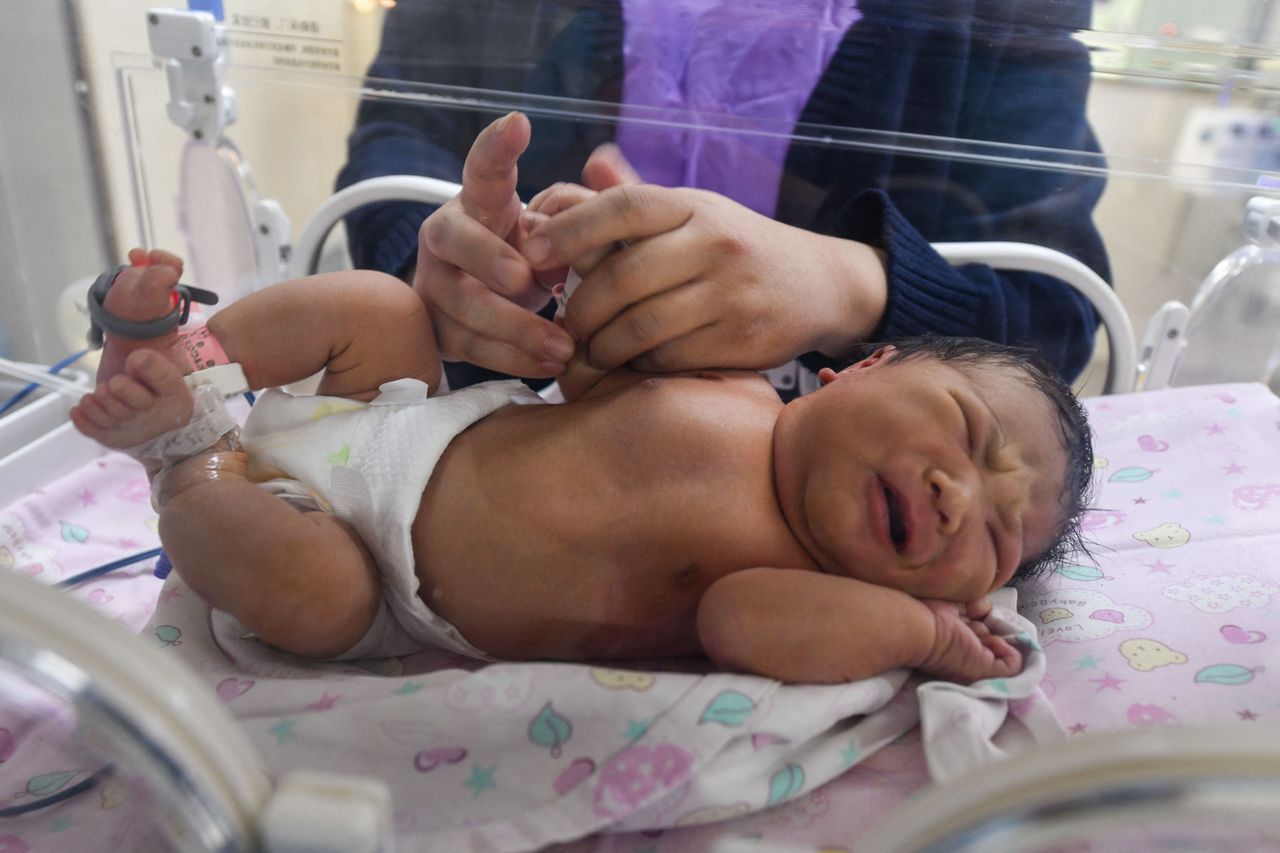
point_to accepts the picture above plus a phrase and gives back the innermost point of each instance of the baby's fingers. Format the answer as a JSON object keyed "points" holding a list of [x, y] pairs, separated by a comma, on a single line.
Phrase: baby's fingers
{"points": [[978, 609], [980, 629], [559, 197], [1008, 658]]}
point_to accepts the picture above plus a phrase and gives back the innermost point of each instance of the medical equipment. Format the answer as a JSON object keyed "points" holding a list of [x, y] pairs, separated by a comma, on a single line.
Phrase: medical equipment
{"points": [[136, 724], [1147, 790], [236, 239], [39, 375], [100, 320], [1175, 325]]}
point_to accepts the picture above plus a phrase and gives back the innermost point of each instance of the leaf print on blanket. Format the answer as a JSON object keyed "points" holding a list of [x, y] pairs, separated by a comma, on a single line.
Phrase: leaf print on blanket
{"points": [[729, 708], [550, 729], [1226, 673], [785, 784]]}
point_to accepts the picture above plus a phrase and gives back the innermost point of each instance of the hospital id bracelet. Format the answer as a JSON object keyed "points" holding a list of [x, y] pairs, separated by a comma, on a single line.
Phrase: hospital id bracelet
{"points": [[101, 320], [228, 379]]}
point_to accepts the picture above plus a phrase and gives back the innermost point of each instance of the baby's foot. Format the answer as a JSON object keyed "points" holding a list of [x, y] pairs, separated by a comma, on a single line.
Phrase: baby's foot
{"points": [[142, 292], [145, 399]]}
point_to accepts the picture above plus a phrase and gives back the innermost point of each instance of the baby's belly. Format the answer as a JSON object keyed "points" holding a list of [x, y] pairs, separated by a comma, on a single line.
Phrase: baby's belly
{"points": [[591, 530], [588, 606]]}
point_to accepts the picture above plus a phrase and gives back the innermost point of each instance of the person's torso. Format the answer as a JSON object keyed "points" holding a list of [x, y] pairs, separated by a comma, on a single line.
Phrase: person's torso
{"points": [[592, 529]]}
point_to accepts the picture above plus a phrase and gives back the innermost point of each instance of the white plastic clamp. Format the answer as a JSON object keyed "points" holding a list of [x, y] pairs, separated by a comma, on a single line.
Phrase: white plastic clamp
{"points": [[228, 379]]}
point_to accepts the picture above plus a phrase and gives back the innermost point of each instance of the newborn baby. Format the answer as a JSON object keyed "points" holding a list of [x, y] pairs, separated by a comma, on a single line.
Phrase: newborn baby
{"points": [[855, 530]]}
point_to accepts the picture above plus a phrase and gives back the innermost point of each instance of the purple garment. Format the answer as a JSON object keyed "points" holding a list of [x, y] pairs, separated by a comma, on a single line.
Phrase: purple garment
{"points": [[708, 70]]}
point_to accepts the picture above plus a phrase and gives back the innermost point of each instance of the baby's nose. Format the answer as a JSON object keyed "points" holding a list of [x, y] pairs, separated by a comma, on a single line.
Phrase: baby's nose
{"points": [[952, 496]]}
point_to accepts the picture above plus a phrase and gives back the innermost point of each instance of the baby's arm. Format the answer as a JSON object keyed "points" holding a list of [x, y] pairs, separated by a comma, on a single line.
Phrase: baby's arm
{"points": [[804, 626]]}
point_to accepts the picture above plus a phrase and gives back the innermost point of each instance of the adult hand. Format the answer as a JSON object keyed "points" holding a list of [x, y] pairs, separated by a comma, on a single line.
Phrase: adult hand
{"points": [[481, 291], [704, 281]]}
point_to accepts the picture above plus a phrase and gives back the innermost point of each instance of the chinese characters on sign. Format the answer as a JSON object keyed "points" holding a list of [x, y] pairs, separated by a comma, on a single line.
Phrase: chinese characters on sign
{"points": [[311, 43]]}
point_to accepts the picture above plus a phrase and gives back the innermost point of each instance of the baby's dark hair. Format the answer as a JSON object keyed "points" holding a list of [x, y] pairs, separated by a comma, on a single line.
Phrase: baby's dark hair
{"points": [[1072, 422]]}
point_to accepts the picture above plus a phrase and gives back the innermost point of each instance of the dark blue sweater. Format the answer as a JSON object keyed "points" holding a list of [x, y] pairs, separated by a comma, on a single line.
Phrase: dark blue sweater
{"points": [[917, 113]]}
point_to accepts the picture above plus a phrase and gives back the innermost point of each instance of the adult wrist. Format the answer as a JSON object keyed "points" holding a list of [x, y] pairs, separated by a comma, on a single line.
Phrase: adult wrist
{"points": [[860, 278]]}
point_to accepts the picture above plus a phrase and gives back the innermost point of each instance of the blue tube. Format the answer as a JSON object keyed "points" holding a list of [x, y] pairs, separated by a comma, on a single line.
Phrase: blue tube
{"points": [[21, 395], [163, 566], [109, 567]]}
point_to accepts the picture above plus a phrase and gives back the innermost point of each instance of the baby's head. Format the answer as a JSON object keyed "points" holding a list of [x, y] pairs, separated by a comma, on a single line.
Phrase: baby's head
{"points": [[944, 467]]}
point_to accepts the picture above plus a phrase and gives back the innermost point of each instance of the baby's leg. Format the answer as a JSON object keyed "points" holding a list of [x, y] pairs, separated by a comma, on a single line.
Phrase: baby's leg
{"points": [[362, 328], [123, 412], [303, 582], [300, 581]]}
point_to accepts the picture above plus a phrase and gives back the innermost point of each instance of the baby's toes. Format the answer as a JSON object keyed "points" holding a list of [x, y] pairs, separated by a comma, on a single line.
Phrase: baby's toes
{"points": [[161, 377], [90, 413], [131, 393], [160, 257], [155, 373], [159, 279], [81, 421], [111, 403]]}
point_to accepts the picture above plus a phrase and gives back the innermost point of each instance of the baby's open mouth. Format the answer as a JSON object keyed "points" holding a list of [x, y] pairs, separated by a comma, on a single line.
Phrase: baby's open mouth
{"points": [[897, 524]]}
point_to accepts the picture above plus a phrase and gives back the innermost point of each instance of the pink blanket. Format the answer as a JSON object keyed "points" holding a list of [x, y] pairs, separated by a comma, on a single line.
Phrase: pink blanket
{"points": [[1172, 621]]}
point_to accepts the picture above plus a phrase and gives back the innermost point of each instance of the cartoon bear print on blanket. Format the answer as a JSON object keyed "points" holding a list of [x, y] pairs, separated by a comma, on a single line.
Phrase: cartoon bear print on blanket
{"points": [[1167, 535], [1145, 655]]}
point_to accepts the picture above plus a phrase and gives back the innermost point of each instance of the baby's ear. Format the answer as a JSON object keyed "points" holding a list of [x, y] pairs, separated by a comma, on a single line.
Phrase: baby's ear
{"points": [[881, 356]]}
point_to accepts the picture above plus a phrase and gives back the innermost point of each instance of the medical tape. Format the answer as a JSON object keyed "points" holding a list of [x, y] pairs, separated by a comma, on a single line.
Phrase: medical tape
{"points": [[210, 422], [564, 291], [210, 425]]}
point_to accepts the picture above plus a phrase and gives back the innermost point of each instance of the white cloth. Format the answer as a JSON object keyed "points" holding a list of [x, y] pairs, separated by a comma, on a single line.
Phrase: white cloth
{"points": [[969, 726], [514, 757], [368, 464]]}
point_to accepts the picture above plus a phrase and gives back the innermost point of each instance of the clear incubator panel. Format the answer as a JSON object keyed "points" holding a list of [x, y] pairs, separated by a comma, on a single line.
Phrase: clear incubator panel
{"points": [[1130, 136], [1139, 137]]}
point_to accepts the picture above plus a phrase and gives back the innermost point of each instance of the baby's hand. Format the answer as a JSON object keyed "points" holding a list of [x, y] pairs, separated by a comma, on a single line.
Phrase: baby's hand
{"points": [[558, 198], [964, 649]]}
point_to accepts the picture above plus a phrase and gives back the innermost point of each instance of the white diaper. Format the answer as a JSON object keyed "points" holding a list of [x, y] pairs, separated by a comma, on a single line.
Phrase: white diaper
{"points": [[368, 465]]}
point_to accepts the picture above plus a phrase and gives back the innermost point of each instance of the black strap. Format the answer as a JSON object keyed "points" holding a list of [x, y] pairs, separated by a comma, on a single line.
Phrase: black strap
{"points": [[100, 320]]}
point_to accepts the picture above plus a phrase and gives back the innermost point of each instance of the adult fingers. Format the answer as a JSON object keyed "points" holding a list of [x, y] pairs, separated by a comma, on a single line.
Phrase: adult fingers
{"points": [[627, 212], [454, 237], [727, 338], [474, 324], [607, 167], [705, 346], [498, 355], [631, 274], [489, 172], [653, 323]]}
